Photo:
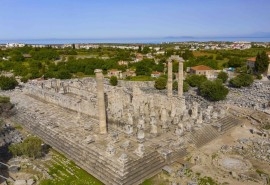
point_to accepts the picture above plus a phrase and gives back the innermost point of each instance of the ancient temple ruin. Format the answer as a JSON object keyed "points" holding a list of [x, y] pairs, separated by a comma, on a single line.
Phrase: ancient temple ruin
{"points": [[120, 135]]}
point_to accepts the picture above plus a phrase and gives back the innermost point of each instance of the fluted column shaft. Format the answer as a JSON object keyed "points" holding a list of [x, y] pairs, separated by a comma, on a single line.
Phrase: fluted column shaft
{"points": [[170, 79], [101, 102], [180, 79]]}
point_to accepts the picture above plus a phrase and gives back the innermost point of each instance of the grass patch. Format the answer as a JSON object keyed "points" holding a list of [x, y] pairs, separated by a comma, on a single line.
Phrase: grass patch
{"points": [[4, 99], [141, 78], [260, 172], [154, 181], [147, 182], [188, 172], [266, 126], [201, 53], [18, 127], [214, 155], [67, 172], [221, 63], [207, 181]]}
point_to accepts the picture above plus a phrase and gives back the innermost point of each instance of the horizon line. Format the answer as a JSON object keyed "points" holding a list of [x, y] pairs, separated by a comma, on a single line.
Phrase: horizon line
{"points": [[143, 37]]}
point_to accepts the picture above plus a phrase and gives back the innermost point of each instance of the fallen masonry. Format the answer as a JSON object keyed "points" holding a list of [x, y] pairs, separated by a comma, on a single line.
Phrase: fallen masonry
{"points": [[120, 135]]}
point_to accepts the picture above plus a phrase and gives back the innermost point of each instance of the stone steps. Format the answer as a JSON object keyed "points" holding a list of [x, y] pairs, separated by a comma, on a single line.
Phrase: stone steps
{"points": [[227, 123], [179, 154], [133, 172], [202, 136]]}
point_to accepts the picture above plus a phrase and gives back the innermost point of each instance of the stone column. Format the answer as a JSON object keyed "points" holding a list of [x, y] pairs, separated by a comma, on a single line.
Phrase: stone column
{"points": [[101, 102], [180, 79], [170, 79], [268, 70]]}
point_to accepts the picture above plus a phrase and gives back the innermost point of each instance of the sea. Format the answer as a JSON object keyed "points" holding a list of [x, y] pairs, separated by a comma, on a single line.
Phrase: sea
{"points": [[136, 40]]}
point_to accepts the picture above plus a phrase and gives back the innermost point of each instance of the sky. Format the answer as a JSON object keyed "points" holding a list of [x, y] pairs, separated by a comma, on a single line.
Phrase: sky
{"points": [[46, 19]]}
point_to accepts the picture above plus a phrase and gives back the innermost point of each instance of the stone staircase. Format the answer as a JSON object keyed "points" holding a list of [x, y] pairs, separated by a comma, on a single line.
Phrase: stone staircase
{"points": [[208, 133], [202, 136], [228, 122], [179, 154], [104, 168]]}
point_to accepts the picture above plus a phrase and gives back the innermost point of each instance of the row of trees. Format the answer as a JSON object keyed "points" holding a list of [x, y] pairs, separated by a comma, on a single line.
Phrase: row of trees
{"points": [[211, 90]]}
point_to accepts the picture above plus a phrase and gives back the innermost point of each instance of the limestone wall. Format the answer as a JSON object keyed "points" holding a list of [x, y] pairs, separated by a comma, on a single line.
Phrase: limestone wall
{"points": [[80, 95], [86, 106], [131, 84]]}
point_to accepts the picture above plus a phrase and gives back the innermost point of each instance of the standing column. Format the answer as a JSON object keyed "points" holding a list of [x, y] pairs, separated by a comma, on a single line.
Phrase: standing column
{"points": [[180, 79], [101, 102], [170, 79], [268, 70]]}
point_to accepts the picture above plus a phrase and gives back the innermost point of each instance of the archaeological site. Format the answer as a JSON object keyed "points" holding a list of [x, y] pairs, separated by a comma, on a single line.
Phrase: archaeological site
{"points": [[125, 134]]}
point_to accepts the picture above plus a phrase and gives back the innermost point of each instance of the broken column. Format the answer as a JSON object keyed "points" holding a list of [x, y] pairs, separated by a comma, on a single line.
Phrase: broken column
{"points": [[180, 79], [170, 78], [101, 102]]}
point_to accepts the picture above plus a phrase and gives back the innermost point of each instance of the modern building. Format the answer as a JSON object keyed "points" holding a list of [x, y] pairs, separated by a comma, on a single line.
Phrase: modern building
{"points": [[251, 62], [114, 72], [156, 74], [204, 70]]}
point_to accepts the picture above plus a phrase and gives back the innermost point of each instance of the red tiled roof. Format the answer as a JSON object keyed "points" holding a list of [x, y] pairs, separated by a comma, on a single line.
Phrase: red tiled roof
{"points": [[113, 70], [201, 68], [156, 72], [253, 59]]}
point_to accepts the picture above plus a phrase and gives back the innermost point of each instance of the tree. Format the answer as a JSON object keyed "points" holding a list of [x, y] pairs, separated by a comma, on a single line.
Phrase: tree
{"points": [[140, 49], [187, 55], [185, 86], [146, 50], [213, 90], [219, 57], [160, 83], [143, 67], [195, 80], [7, 83], [113, 80], [31, 147], [262, 62], [242, 80], [223, 76], [63, 74], [16, 56], [235, 62]]}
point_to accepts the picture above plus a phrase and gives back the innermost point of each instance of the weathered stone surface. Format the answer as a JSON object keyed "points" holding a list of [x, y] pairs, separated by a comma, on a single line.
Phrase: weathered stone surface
{"points": [[146, 128]]}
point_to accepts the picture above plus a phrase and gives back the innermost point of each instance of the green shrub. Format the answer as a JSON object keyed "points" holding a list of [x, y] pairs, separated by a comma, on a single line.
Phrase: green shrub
{"points": [[31, 147], [195, 80], [7, 83], [160, 83], [24, 79], [242, 80], [213, 90], [113, 81], [223, 76], [63, 74]]}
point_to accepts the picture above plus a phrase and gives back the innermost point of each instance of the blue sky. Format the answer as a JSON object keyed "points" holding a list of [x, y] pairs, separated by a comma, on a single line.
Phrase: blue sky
{"points": [[41, 19]]}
